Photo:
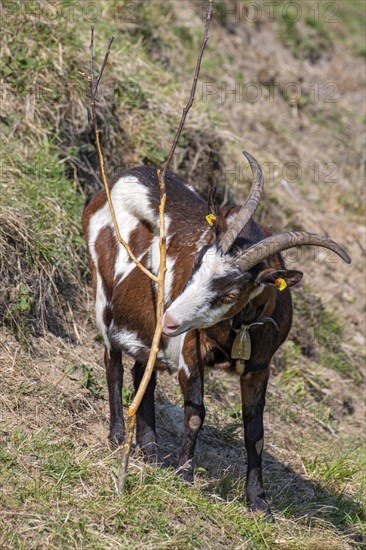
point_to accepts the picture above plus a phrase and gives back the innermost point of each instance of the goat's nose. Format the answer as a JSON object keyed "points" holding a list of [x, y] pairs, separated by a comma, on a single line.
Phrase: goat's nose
{"points": [[169, 322]]}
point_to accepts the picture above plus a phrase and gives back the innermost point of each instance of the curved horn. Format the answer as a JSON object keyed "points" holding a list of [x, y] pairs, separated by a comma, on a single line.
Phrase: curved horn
{"points": [[248, 208], [273, 245]]}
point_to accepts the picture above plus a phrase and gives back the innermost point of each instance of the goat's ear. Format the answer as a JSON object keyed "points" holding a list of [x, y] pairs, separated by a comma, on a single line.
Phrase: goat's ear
{"points": [[279, 277], [215, 215]]}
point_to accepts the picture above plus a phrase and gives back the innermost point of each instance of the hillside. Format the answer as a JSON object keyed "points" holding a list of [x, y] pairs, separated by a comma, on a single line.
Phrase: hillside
{"points": [[284, 81]]}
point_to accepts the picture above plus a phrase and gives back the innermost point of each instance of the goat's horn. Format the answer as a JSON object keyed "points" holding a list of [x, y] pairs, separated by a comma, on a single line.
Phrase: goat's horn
{"points": [[248, 208], [273, 245]]}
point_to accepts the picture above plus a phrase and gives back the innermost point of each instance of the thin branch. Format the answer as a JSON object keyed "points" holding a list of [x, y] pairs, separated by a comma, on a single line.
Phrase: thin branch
{"points": [[160, 279], [104, 62], [159, 307], [94, 88], [132, 410], [161, 176], [193, 93], [126, 451]]}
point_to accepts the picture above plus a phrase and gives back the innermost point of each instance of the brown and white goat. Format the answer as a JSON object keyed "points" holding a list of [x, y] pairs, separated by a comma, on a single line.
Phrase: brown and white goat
{"points": [[221, 295]]}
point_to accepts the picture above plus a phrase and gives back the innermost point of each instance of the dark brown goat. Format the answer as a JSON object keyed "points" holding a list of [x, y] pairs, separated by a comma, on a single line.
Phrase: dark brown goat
{"points": [[224, 296]]}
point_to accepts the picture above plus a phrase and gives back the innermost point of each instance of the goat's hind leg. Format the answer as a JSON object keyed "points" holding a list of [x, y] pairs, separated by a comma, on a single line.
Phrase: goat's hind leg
{"points": [[145, 421], [114, 372]]}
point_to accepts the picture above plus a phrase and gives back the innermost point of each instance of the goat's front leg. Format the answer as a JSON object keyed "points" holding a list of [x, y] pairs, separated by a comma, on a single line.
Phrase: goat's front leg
{"points": [[114, 372], [145, 422], [191, 383], [253, 390]]}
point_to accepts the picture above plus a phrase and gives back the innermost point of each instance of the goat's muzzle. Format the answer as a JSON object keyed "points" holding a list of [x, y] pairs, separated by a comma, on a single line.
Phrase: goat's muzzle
{"points": [[170, 324]]}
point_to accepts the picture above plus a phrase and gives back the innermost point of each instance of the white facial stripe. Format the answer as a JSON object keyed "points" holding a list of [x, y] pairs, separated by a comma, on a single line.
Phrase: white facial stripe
{"points": [[194, 301]]}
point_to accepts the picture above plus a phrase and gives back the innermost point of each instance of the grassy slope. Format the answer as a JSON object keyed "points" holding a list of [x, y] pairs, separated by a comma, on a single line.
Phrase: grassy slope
{"points": [[56, 470]]}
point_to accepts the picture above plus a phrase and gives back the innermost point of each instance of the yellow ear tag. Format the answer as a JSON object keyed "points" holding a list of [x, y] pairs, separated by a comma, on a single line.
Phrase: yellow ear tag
{"points": [[281, 284], [211, 218]]}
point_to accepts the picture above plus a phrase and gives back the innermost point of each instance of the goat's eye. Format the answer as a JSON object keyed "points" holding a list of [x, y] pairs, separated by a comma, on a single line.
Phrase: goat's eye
{"points": [[230, 297]]}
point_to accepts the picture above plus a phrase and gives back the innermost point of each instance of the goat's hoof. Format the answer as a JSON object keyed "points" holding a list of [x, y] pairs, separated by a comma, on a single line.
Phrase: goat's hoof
{"points": [[116, 439], [186, 474], [151, 459], [259, 506], [149, 451], [150, 456]]}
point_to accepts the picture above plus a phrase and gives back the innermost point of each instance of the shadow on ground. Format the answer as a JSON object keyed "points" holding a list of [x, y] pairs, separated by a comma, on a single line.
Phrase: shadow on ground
{"points": [[221, 459]]}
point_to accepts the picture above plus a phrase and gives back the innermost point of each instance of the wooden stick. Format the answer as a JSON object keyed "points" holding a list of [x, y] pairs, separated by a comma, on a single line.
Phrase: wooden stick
{"points": [[160, 278], [132, 410], [159, 307], [126, 451]]}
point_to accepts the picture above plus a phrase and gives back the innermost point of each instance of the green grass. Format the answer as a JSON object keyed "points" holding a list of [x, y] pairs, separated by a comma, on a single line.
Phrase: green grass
{"points": [[85, 376], [321, 336], [49, 201], [332, 120], [340, 470], [89, 511], [337, 473], [312, 31], [63, 494], [353, 16], [342, 363]]}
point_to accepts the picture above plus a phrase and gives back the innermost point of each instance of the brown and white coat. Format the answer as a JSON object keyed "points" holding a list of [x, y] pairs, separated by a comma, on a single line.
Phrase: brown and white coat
{"points": [[218, 280]]}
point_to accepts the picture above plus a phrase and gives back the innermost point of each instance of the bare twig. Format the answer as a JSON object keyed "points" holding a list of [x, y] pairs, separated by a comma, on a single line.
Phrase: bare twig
{"points": [[160, 278], [193, 92], [126, 451]]}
